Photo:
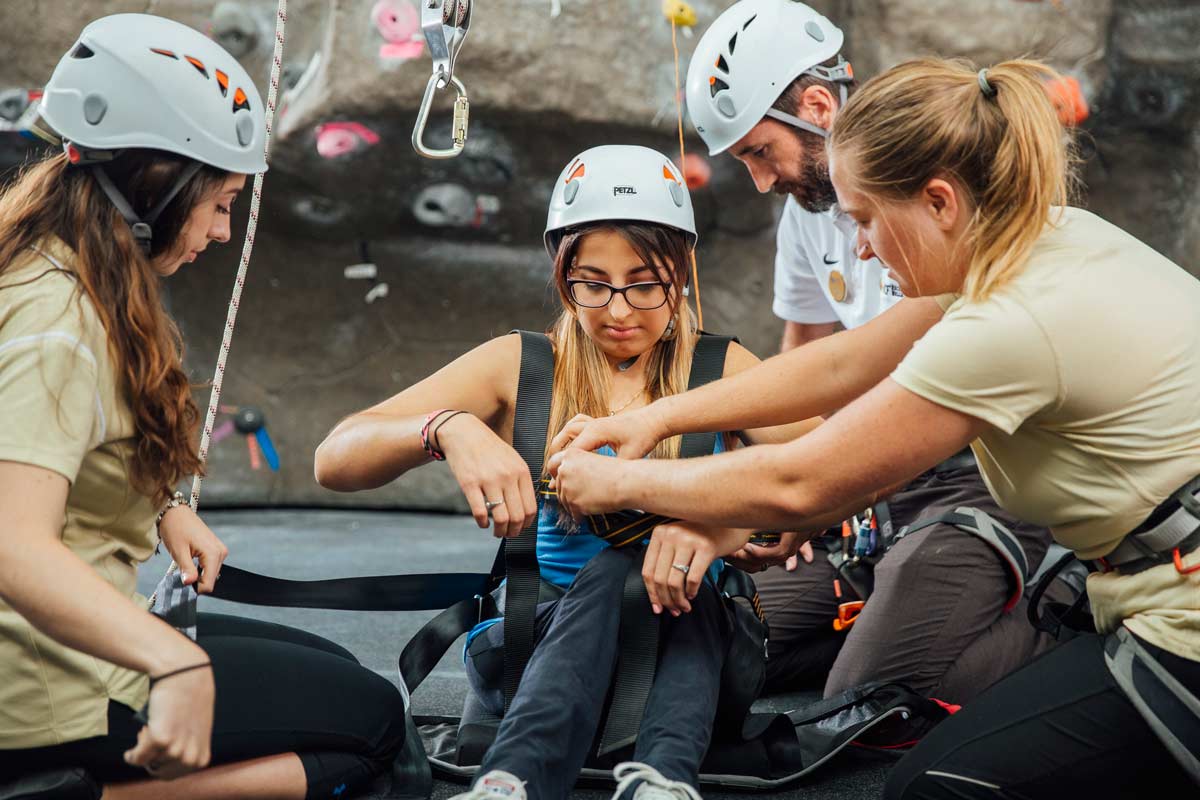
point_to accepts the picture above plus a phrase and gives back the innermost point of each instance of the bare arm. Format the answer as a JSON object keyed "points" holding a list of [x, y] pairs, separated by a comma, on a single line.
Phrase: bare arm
{"points": [[375, 446], [803, 485], [63, 598], [804, 383]]}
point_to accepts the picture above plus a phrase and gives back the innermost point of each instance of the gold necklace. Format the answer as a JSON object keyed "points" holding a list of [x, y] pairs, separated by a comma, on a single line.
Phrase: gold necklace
{"points": [[614, 412]]}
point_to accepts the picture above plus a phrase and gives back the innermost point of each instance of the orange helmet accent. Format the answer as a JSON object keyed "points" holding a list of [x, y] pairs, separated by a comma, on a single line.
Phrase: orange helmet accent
{"points": [[198, 64], [849, 69], [223, 82], [166, 53], [240, 100], [668, 175], [578, 172]]}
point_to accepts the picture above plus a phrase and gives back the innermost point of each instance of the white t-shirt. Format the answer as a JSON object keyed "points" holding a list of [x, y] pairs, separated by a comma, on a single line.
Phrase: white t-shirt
{"points": [[810, 248]]}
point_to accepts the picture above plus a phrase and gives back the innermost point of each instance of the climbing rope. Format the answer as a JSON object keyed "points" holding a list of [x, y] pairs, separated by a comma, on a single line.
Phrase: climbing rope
{"points": [[240, 282], [682, 161]]}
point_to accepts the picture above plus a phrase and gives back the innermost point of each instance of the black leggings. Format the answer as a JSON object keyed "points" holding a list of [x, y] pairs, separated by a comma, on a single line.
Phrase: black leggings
{"points": [[1059, 728], [279, 690]]}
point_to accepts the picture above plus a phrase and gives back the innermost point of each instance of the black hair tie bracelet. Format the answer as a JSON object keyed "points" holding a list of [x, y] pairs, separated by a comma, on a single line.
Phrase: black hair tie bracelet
{"points": [[156, 679]]}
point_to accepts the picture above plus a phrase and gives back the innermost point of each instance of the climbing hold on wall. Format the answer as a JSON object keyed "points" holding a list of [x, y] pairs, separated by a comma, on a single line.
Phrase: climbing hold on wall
{"points": [[341, 138], [253, 423], [400, 26], [320, 210], [234, 28], [1067, 96], [680, 13], [696, 171], [445, 205]]}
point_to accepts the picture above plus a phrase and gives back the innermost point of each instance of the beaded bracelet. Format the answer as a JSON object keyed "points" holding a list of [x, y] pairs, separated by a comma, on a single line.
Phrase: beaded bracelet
{"points": [[434, 453]]}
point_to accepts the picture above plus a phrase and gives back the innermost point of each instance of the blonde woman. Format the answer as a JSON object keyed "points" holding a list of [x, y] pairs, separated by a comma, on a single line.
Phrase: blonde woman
{"points": [[1068, 358], [625, 337]]}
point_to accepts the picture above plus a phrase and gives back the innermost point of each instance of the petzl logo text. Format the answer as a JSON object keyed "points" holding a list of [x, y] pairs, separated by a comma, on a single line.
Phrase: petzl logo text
{"points": [[624, 190]]}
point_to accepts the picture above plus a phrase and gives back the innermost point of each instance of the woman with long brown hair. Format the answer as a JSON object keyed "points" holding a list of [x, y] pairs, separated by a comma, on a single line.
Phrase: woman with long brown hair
{"points": [[159, 128], [620, 233], [1068, 358]]}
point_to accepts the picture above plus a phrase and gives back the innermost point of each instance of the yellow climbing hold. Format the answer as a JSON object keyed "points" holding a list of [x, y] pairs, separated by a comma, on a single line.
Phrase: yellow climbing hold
{"points": [[679, 12]]}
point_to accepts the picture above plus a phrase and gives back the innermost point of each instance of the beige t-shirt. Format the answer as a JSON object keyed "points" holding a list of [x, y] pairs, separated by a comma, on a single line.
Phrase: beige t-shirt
{"points": [[62, 411], [1087, 368]]}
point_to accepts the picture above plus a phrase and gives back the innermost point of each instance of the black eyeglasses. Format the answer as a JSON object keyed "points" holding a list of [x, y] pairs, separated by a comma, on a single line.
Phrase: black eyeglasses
{"points": [[597, 294]]}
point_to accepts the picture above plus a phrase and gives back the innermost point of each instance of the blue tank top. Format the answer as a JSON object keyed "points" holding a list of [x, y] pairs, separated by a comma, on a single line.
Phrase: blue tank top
{"points": [[562, 552]]}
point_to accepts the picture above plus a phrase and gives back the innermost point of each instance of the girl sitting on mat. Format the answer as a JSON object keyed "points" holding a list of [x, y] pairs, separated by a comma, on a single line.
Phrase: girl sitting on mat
{"points": [[620, 233]]}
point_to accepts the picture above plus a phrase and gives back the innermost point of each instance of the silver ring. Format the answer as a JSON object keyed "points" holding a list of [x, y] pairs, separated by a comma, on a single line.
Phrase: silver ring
{"points": [[490, 504], [684, 568]]}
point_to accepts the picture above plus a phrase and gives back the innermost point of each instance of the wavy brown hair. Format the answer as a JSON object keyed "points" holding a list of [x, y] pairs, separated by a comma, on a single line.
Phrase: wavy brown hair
{"points": [[53, 198], [582, 377]]}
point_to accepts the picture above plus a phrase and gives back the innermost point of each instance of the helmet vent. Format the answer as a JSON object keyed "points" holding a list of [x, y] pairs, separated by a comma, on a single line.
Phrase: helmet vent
{"points": [[732, 43], [166, 53], [240, 101], [198, 64], [82, 51], [747, 23], [722, 64], [716, 85], [222, 82]]}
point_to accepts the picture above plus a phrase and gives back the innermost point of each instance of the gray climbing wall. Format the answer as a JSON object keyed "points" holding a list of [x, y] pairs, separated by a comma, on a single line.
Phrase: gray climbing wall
{"points": [[456, 244]]}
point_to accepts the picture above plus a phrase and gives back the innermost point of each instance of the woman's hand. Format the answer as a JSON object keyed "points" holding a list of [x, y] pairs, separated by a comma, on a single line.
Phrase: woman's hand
{"points": [[631, 435], [679, 555], [756, 557], [489, 471], [587, 483], [177, 738], [187, 538]]}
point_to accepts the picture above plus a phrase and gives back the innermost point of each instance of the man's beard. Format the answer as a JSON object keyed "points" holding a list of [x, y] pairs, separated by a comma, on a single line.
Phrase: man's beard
{"points": [[814, 190]]}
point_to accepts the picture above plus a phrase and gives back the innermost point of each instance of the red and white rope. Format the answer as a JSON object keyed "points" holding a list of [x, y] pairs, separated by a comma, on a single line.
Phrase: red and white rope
{"points": [[247, 247]]}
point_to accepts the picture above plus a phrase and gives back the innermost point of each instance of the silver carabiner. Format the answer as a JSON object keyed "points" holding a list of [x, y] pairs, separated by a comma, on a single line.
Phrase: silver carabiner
{"points": [[458, 130], [445, 24]]}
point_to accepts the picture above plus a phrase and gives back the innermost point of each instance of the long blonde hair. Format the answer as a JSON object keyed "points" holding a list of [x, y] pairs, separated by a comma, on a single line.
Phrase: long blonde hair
{"points": [[932, 118], [582, 376]]}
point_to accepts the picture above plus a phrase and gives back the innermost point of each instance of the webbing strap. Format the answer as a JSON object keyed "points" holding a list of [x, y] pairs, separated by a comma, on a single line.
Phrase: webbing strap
{"points": [[708, 365], [532, 419], [426, 648], [1170, 709], [637, 657], [420, 592]]}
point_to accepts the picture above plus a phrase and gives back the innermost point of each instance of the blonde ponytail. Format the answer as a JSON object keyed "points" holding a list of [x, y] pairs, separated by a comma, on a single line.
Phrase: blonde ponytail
{"points": [[935, 118]]}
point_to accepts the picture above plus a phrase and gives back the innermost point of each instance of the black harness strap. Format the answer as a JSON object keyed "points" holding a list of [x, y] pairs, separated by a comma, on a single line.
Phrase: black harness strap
{"points": [[637, 641], [534, 388]]}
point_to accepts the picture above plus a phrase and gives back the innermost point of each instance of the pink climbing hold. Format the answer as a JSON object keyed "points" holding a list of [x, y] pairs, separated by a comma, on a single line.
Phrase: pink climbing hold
{"points": [[696, 171], [339, 138], [397, 21]]}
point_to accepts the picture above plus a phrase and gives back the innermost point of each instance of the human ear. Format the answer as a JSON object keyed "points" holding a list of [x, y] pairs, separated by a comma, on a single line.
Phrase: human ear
{"points": [[820, 105], [940, 198]]}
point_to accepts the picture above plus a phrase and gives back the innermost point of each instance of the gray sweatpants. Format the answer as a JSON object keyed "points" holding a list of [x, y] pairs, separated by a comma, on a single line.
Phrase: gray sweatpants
{"points": [[935, 620]]}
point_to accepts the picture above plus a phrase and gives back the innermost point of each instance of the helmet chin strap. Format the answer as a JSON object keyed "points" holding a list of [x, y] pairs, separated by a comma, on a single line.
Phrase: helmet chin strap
{"points": [[140, 226], [840, 74]]}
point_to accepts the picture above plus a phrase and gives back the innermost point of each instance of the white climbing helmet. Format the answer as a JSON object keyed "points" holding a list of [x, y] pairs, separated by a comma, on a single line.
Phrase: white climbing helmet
{"points": [[748, 57], [619, 182], [137, 80]]}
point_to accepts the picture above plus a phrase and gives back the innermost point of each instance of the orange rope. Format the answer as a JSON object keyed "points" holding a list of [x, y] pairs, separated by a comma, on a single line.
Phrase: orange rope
{"points": [[683, 169]]}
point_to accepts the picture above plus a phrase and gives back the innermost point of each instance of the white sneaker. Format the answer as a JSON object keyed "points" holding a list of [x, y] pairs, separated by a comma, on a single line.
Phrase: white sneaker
{"points": [[653, 787], [496, 783]]}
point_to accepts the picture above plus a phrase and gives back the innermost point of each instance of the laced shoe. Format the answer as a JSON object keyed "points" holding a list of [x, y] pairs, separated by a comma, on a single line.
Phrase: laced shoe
{"points": [[495, 784], [653, 785]]}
